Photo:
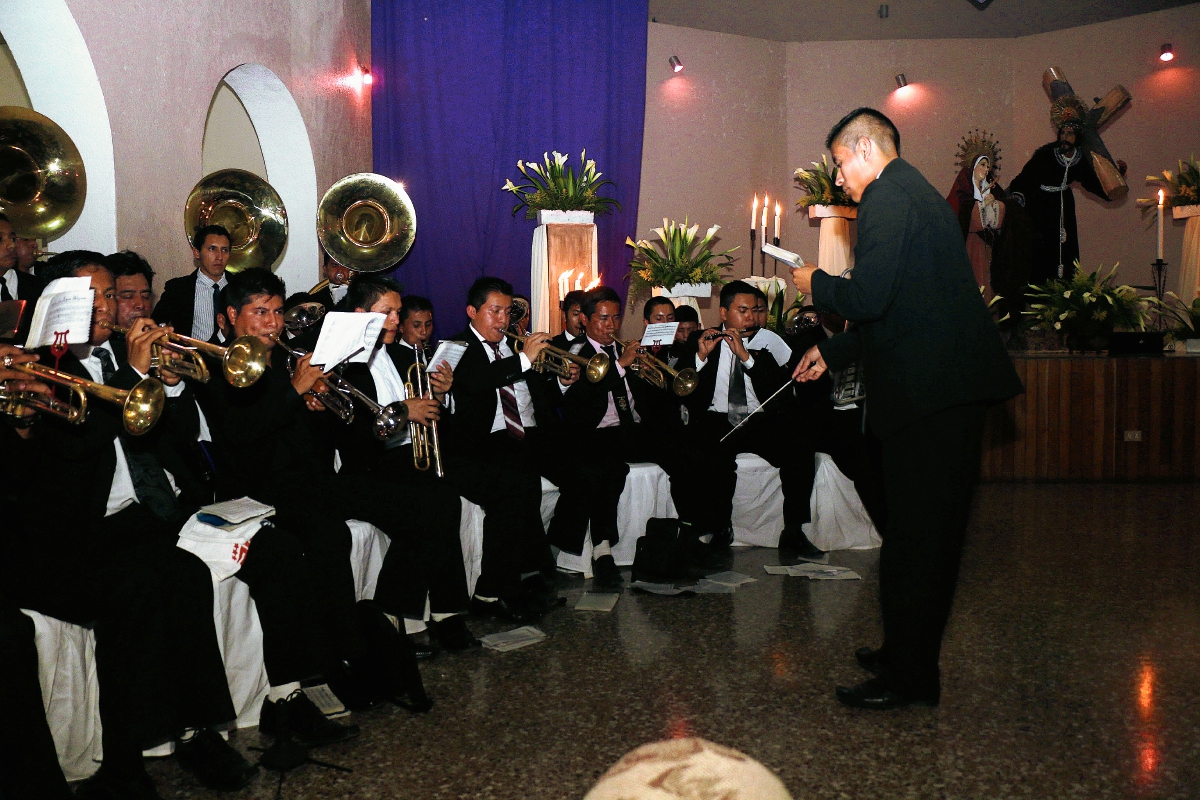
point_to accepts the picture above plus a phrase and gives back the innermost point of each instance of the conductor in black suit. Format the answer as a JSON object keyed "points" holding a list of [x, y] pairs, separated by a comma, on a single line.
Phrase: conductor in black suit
{"points": [[15, 284], [189, 304], [933, 363]]}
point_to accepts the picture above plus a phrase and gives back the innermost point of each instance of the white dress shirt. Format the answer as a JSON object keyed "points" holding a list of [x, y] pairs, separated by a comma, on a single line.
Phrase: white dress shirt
{"points": [[724, 367], [389, 387], [204, 316], [10, 280], [121, 494], [338, 292], [520, 388]]}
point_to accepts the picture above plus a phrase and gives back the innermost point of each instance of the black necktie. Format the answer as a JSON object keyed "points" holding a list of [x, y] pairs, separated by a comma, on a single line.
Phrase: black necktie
{"points": [[216, 303], [737, 407], [620, 395], [150, 482]]}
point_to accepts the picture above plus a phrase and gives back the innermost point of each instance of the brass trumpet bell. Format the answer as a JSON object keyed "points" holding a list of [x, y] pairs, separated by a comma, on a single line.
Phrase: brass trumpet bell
{"points": [[42, 180], [244, 361], [246, 206], [366, 222]]}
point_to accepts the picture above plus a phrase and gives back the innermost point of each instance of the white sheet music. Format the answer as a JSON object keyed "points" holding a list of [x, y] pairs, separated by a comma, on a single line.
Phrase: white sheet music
{"points": [[448, 352], [344, 332], [786, 256], [65, 305], [659, 334]]}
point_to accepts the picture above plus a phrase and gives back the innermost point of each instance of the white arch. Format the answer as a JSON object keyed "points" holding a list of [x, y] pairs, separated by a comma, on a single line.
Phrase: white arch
{"points": [[62, 83], [287, 153]]}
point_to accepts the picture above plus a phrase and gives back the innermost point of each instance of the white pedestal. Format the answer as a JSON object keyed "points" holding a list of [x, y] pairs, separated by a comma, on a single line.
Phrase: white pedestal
{"points": [[1189, 262], [835, 255], [563, 241]]}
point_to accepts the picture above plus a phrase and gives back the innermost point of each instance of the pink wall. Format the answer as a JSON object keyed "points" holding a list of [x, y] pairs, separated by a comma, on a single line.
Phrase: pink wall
{"points": [[159, 65], [721, 136]]}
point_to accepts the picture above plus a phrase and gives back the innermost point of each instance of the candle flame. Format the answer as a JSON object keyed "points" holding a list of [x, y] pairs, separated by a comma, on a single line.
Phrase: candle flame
{"points": [[756, 203], [777, 209], [1161, 196], [594, 283]]}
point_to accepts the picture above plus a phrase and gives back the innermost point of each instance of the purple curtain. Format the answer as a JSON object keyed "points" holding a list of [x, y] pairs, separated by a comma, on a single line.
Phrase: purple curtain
{"points": [[464, 89]]}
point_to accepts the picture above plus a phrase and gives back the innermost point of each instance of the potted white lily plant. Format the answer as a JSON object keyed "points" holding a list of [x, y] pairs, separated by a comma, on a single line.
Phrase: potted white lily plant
{"points": [[555, 193], [679, 264]]}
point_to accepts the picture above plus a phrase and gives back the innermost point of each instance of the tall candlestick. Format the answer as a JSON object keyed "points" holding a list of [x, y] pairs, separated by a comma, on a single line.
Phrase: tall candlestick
{"points": [[754, 214], [777, 213], [764, 218], [1160, 223]]}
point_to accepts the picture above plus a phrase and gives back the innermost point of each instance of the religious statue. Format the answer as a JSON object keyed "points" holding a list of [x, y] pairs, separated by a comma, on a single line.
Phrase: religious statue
{"points": [[996, 230], [1044, 186]]}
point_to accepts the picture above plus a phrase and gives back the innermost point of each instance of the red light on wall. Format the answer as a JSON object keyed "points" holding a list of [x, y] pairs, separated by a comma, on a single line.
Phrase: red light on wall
{"points": [[366, 77], [1167, 53]]}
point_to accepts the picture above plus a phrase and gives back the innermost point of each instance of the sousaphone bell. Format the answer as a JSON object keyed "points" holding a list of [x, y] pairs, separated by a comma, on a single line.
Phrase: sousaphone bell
{"points": [[42, 180], [366, 222], [246, 206]]}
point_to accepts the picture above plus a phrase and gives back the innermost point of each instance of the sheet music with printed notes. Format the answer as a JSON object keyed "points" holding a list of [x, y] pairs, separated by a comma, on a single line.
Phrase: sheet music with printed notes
{"points": [[65, 306], [342, 333], [448, 352], [659, 334]]}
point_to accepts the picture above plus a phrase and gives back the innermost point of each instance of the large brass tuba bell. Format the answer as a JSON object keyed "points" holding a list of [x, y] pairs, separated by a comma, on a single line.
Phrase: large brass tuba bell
{"points": [[246, 206], [42, 180], [366, 222]]}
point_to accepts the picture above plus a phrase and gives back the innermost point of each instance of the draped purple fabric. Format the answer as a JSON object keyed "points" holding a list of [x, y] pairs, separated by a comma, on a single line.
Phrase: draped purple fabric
{"points": [[464, 89]]}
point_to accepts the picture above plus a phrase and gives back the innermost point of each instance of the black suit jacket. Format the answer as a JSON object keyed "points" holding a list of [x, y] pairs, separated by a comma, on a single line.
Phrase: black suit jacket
{"points": [[924, 334], [357, 444], [29, 289], [766, 376], [475, 383], [177, 304], [584, 404]]}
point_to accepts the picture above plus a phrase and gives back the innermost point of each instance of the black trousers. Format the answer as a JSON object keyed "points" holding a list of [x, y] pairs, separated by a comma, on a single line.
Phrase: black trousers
{"points": [[503, 476], [931, 468], [150, 604], [28, 762], [782, 439], [858, 455]]}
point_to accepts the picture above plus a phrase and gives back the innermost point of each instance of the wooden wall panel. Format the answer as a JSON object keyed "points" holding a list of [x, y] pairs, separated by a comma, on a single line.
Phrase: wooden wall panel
{"points": [[1070, 423]]}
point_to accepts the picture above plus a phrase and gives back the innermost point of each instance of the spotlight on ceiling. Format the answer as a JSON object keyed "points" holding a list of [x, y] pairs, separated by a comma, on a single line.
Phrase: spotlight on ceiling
{"points": [[676, 64], [1167, 53], [901, 81]]}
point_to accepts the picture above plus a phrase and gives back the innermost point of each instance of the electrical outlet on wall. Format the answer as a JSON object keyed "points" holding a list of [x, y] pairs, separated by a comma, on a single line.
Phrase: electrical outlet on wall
{"points": [[1133, 436]]}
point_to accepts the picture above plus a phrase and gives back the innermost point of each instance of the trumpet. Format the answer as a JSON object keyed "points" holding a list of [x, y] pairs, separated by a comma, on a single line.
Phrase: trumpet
{"points": [[141, 406], [242, 362], [557, 361], [655, 371], [427, 448], [334, 398]]}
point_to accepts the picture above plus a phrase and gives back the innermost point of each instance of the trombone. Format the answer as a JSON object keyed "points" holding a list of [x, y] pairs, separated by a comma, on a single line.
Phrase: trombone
{"points": [[557, 361], [427, 448], [243, 361], [655, 371], [141, 406]]}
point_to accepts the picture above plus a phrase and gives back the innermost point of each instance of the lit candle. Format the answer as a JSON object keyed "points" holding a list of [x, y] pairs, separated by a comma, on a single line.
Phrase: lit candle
{"points": [[777, 213], [754, 214], [764, 219], [1161, 197]]}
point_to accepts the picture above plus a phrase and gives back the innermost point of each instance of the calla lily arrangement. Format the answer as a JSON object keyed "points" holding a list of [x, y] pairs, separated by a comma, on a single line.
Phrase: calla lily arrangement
{"points": [[1089, 304], [820, 186], [683, 257], [553, 185], [1181, 189]]}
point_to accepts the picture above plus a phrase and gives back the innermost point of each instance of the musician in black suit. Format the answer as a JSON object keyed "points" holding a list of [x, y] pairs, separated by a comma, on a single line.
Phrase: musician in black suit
{"points": [[189, 304], [15, 284], [266, 446], [503, 442], [572, 321], [101, 557], [606, 419], [661, 408], [933, 362], [431, 574]]}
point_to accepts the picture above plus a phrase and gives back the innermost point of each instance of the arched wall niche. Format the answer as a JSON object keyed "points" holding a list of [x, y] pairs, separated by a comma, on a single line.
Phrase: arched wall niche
{"points": [[287, 159], [229, 138], [61, 82]]}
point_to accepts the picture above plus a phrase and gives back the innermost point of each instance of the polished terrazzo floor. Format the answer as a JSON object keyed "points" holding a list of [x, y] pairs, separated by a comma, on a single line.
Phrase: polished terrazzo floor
{"points": [[1071, 670]]}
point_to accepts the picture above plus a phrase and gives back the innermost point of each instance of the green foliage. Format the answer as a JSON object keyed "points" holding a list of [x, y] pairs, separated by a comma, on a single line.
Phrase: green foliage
{"points": [[553, 185], [820, 186], [678, 257], [1186, 316], [1087, 304], [1178, 190]]}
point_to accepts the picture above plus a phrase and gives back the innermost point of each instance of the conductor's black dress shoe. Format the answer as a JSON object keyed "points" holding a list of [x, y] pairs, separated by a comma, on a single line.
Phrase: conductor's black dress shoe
{"points": [[878, 695], [453, 634], [513, 609]]}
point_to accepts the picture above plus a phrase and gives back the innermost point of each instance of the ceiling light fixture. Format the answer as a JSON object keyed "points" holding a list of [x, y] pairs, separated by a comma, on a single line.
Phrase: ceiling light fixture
{"points": [[901, 81], [676, 64], [1167, 53]]}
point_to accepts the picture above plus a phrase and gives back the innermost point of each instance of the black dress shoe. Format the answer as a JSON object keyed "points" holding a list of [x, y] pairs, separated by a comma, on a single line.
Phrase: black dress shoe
{"points": [[794, 544], [513, 609], [104, 785], [871, 660], [214, 762], [540, 594], [391, 665], [298, 718], [878, 695], [605, 573], [353, 687], [422, 651], [453, 634]]}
